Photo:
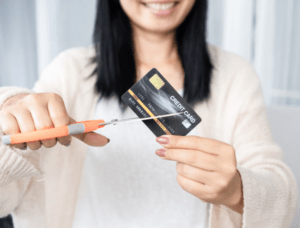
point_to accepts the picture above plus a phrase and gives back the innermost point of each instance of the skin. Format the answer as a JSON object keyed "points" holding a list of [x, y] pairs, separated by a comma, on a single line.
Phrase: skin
{"points": [[206, 168]]}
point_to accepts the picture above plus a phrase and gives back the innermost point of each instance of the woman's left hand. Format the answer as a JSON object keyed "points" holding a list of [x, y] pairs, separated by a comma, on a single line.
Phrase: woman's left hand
{"points": [[206, 168]]}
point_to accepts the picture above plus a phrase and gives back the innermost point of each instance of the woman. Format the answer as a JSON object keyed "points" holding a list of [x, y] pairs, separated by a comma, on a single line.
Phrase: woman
{"points": [[227, 173]]}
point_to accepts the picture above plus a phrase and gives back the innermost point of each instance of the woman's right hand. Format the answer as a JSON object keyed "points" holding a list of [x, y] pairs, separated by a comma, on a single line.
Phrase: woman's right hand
{"points": [[28, 112]]}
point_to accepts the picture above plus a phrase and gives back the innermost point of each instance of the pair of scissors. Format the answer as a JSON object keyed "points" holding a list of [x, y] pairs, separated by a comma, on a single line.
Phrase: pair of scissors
{"points": [[71, 129]]}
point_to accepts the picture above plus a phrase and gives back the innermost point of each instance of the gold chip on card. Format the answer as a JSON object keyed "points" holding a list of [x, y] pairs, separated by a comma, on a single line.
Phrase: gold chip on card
{"points": [[156, 81]]}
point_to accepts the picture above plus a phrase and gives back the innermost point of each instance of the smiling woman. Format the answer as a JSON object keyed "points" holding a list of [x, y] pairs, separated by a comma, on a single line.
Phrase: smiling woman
{"points": [[227, 173], [134, 40]]}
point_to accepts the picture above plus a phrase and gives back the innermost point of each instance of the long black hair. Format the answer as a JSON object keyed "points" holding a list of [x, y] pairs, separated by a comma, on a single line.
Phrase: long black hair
{"points": [[116, 69]]}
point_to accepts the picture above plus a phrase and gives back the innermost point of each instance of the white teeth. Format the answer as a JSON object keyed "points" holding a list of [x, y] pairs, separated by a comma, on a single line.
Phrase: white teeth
{"points": [[161, 6]]}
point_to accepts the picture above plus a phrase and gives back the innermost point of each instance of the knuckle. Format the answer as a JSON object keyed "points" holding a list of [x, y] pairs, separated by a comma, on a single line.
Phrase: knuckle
{"points": [[6, 129], [32, 98], [173, 142], [3, 113], [180, 180], [17, 107], [183, 183], [180, 167], [192, 158], [230, 150], [61, 115], [215, 144], [55, 96], [184, 170]]}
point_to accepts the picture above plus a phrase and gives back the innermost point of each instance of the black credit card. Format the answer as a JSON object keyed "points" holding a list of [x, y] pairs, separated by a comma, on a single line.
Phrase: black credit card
{"points": [[152, 96]]}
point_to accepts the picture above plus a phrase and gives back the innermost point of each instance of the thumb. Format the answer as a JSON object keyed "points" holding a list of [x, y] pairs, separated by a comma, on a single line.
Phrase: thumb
{"points": [[91, 138]]}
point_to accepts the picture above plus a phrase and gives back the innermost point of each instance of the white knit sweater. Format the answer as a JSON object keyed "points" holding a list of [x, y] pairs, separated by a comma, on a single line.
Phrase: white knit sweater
{"points": [[40, 187]]}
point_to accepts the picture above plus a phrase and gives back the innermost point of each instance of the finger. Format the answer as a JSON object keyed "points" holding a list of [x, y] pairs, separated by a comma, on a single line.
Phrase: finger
{"points": [[9, 126], [91, 138], [26, 124], [42, 120], [195, 174], [195, 188], [194, 158], [59, 116], [191, 142]]}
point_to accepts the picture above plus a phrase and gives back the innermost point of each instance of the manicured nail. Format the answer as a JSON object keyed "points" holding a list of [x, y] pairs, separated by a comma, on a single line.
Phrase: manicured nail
{"points": [[108, 140], [24, 148], [162, 140], [161, 152], [68, 145]]}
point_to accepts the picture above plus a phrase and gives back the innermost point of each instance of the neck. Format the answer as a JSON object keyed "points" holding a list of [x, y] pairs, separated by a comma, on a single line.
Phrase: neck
{"points": [[154, 49]]}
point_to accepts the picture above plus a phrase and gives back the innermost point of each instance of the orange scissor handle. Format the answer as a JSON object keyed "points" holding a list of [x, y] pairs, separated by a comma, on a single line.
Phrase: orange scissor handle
{"points": [[50, 133]]}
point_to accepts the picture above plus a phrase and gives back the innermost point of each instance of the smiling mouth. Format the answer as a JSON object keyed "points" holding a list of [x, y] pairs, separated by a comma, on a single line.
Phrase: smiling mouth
{"points": [[160, 6]]}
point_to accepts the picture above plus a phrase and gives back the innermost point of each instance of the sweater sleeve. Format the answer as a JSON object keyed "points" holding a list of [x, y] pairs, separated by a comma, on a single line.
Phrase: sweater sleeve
{"points": [[269, 187], [17, 167]]}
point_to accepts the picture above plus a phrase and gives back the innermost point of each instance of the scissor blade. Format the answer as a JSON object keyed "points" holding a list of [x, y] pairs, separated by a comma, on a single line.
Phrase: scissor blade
{"points": [[139, 119]]}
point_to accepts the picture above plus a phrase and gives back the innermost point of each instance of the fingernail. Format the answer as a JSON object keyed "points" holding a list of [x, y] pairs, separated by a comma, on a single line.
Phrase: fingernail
{"points": [[161, 152], [24, 148], [66, 142], [68, 145], [108, 140], [162, 140]]}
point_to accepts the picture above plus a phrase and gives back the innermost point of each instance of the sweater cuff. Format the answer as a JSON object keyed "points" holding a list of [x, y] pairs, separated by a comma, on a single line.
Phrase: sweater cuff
{"points": [[223, 217], [249, 200], [8, 92], [14, 166], [220, 214], [260, 198]]}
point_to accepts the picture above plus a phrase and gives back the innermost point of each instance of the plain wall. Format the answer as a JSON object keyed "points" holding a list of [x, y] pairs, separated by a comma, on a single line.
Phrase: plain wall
{"points": [[285, 126]]}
